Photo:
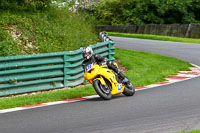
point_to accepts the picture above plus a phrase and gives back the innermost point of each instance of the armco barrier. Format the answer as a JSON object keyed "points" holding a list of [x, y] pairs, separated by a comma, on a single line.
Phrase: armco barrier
{"points": [[178, 30], [28, 73]]}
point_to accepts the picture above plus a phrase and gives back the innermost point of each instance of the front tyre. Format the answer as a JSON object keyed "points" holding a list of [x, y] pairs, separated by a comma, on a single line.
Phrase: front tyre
{"points": [[129, 90], [102, 91]]}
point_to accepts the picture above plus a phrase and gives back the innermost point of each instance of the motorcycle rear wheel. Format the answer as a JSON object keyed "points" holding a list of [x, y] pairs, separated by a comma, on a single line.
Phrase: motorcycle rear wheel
{"points": [[101, 90]]}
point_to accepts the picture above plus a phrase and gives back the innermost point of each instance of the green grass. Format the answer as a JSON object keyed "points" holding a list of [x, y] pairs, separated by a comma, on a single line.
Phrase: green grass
{"points": [[46, 97], [147, 68], [144, 68], [194, 131], [155, 37], [52, 30]]}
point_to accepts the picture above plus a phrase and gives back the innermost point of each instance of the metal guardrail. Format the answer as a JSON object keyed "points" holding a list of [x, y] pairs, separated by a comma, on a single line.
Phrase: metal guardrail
{"points": [[28, 73], [177, 30]]}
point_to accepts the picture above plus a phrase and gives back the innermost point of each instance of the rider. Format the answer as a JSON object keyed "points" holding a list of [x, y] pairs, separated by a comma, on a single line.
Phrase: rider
{"points": [[95, 58]]}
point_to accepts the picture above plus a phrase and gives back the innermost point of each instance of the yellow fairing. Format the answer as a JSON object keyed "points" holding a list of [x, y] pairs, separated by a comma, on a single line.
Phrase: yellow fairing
{"points": [[103, 71], [101, 80]]}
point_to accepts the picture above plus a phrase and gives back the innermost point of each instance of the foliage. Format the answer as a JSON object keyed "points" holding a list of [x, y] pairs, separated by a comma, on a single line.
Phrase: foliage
{"points": [[52, 30], [148, 11], [7, 45], [30, 5], [88, 5]]}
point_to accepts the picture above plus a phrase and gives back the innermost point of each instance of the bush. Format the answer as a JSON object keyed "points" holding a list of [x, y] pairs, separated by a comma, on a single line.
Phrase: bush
{"points": [[30, 5], [7, 45], [9, 48], [52, 30], [148, 11]]}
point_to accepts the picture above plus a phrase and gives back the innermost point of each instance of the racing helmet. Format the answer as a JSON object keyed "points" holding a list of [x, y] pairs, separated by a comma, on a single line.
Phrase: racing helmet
{"points": [[87, 52]]}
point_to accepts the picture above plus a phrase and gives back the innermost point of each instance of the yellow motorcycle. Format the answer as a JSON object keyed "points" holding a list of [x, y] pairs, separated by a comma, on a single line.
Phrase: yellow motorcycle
{"points": [[106, 82]]}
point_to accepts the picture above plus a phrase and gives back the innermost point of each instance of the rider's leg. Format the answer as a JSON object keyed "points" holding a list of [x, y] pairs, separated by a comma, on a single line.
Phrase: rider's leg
{"points": [[112, 66]]}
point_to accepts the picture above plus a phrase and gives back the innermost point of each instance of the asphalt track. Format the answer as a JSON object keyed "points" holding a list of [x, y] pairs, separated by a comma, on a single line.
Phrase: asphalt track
{"points": [[165, 109]]}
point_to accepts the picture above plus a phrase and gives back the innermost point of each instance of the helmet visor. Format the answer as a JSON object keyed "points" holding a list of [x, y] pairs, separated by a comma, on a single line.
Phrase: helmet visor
{"points": [[85, 54]]}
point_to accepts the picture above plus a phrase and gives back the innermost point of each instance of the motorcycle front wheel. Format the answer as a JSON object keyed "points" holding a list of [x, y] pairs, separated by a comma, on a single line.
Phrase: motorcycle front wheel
{"points": [[129, 90], [102, 91]]}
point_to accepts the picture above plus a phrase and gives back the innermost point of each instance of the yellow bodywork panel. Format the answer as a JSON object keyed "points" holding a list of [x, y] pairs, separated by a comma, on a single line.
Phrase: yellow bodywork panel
{"points": [[97, 72], [101, 80]]}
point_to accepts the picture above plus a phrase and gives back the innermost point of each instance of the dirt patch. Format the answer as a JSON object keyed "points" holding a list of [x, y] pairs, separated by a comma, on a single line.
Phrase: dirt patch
{"points": [[23, 42], [122, 68]]}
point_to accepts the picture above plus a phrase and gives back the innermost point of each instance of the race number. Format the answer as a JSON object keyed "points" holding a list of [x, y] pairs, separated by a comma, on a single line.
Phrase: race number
{"points": [[119, 87], [88, 67]]}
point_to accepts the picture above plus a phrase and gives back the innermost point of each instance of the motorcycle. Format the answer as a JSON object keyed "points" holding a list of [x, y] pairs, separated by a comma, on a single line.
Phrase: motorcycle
{"points": [[106, 82]]}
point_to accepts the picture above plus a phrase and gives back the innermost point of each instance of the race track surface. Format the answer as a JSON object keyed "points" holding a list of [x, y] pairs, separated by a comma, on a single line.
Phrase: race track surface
{"points": [[165, 109]]}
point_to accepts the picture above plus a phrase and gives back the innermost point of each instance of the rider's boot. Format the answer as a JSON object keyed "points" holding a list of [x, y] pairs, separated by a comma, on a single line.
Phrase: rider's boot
{"points": [[125, 80], [112, 66]]}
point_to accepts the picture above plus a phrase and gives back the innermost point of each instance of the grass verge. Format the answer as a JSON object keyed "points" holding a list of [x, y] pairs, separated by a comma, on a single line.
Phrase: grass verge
{"points": [[194, 131], [45, 97], [147, 68], [144, 68], [155, 37]]}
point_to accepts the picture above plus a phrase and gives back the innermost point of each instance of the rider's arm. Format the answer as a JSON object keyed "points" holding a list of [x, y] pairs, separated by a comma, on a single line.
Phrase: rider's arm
{"points": [[83, 65], [99, 58]]}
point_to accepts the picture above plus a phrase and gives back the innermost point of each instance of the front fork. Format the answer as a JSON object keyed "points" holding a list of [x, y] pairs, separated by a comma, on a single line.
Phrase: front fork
{"points": [[101, 79]]}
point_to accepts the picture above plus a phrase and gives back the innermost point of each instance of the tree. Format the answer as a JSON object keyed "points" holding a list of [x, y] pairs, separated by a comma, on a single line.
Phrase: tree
{"points": [[148, 11]]}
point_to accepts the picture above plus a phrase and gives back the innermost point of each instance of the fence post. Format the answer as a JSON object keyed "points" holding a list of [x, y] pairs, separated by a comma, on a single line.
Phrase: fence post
{"points": [[65, 69], [110, 48]]}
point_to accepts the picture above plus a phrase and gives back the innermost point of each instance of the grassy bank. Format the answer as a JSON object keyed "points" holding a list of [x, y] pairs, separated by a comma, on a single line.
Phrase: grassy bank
{"points": [[52, 30], [147, 68], [155, 37], [144, 68]]}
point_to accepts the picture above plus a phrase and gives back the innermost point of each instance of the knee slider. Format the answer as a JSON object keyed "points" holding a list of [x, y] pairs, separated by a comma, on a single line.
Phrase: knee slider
{"points": [[109, 63]]}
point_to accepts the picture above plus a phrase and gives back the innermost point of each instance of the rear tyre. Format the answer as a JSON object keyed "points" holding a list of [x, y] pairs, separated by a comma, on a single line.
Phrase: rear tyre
{"points": [[129, 90], [104, 93]]}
